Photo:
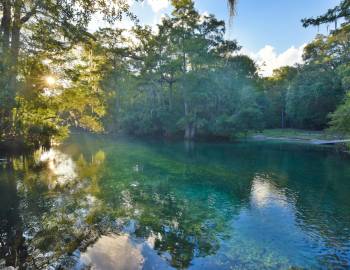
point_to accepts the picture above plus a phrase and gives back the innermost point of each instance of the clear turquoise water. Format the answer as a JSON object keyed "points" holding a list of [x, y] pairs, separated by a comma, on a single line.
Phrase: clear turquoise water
{"points": [[127, 204]]}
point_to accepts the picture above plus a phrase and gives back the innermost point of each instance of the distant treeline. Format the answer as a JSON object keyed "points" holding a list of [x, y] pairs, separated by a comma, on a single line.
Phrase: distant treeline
{"points": [[183, 80], [186, 79]]}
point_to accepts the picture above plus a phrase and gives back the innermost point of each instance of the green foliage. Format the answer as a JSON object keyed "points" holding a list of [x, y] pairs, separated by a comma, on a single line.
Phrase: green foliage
{"points": [[340, 119], [37, 40], [305, 98], [185, 79], [276, 90], [315, 93], [341, 11]]}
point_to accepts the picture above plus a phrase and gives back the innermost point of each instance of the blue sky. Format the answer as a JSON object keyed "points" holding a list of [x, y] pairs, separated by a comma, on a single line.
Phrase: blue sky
{"points": [[274, 22], [270, 31]]}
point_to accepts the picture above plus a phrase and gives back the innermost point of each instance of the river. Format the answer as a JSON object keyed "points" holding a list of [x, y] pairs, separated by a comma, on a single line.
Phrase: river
{"points": [[113, 203]]}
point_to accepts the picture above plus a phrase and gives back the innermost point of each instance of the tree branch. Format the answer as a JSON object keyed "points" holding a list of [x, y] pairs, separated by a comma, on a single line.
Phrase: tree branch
{"points": [[29, 14]]}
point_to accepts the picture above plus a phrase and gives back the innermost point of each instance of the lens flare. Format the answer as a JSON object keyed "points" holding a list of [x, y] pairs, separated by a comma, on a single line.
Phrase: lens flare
{"points": [[50, 80]]}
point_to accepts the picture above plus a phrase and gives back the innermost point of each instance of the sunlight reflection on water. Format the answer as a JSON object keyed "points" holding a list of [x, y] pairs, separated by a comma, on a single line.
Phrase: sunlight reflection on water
{"points": [[264, 193]]}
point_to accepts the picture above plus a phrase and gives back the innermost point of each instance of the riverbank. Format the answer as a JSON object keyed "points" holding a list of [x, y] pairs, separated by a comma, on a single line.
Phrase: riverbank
{"points": [[306, 136]]}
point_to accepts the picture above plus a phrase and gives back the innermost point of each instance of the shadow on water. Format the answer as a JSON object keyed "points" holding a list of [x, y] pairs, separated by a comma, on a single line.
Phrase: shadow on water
{"points": [[126, 204]]}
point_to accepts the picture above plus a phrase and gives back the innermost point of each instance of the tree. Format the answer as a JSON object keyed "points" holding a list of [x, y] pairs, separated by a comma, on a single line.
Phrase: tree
{"points": [[341, 11], [331, 53], [184, 78], [46, 30], [314, 94], [277, 87], [340, 119], [201, 45], [63, 19]]}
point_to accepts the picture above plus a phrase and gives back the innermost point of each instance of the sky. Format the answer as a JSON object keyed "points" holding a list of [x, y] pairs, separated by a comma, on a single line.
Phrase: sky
{"points": [[269, 31]]}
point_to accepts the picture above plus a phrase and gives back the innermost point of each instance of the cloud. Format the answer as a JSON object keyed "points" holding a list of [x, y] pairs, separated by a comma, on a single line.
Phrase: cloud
{"points": [[268, 59], [158, 5]]}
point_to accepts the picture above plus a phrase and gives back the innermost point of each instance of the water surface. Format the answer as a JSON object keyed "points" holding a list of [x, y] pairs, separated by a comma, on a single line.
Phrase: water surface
{"points": [[109, 203]]}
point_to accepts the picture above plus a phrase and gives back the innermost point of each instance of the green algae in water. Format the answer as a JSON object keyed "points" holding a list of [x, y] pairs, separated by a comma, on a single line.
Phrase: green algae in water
{"points": [[127, 203]]}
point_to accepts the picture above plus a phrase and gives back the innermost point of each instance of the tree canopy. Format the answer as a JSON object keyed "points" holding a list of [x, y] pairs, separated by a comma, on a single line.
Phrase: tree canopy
{"points": [[180, 79]]}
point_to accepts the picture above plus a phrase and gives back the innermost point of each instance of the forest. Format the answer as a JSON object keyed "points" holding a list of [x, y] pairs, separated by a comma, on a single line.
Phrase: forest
{"points": [[183, 80]]}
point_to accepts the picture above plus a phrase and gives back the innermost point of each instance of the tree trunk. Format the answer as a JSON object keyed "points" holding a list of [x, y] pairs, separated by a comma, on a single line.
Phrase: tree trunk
{"points": [[170, 96], [6, 25], [190, 127], [190, 131], [5, 59], [15, 45]]}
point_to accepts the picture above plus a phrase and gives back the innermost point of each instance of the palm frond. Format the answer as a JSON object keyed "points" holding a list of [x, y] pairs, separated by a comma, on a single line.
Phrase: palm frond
{"points": [[232, 7]]}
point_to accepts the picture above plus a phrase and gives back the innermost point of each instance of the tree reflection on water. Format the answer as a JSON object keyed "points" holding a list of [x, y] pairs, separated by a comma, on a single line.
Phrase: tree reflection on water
{"points": [[57, 209]]}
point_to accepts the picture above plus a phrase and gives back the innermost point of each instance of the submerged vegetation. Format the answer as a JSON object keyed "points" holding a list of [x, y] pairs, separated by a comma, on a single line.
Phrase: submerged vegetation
{"points": [[217, 205], [183, 80]]}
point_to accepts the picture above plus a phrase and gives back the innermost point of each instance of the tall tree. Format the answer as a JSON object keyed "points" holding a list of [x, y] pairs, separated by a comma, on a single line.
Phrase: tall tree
{"points": [[341, 11], [42, 29]]}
